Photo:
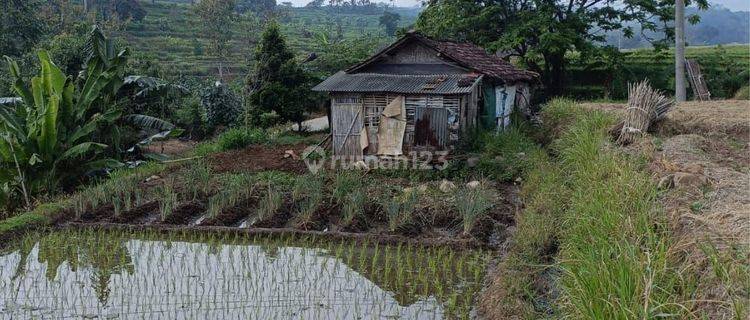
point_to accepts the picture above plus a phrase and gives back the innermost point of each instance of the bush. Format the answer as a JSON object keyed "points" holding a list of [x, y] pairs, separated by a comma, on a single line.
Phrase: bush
{"points": [[238, 138], [505, 154], [743, 93], [222, 105]]}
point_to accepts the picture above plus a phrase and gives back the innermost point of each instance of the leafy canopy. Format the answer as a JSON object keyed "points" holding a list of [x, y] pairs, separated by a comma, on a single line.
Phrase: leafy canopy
{"points": [[541, 32]]}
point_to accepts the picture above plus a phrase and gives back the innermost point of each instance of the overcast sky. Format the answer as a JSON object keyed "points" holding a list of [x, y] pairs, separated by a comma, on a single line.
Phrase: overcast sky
{"points": [[734, 5]]}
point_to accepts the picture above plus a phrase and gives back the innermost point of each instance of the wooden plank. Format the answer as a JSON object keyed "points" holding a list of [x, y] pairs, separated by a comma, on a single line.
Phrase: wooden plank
{"points": [[697, 83]]}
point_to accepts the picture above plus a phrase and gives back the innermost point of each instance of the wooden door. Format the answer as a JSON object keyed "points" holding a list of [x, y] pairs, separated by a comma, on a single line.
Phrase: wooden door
{"points": [[346, 129]]}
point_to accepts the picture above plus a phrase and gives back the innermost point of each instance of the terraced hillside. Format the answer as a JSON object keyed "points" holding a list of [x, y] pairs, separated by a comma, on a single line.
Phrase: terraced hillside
{"points": [[171, 34]]}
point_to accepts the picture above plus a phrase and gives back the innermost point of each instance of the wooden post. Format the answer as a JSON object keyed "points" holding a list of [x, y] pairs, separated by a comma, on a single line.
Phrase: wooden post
{"points": [[679, 51]]}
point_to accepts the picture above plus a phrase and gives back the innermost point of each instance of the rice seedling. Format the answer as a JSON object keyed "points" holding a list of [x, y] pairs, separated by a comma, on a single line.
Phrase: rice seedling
{"points": [[354, 206], [236, 189], [400, 209], [270, 203], [308, 196], [167, 199], [345, 183], [472, 205], [198, 179]]}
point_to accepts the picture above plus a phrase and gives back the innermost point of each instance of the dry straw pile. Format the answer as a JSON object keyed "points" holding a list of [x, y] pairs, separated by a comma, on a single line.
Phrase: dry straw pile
{"points": [[645, 106]]}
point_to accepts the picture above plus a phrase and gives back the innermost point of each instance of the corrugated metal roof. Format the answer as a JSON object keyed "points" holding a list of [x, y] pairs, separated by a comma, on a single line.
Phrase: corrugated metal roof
{"points": [[376, 82]]}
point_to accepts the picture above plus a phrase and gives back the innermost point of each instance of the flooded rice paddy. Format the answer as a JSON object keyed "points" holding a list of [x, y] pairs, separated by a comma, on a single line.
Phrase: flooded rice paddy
{"points": [[187, 275]]}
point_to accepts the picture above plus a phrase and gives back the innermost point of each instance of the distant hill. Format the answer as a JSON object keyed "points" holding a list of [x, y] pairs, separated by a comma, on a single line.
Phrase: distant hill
{"points": [[718, 25], [171, 34]]}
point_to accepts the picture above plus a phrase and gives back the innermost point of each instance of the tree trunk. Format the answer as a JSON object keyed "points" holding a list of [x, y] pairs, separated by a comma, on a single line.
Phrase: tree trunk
{"points": [[85, 6], [555, 77], [679, 51]]}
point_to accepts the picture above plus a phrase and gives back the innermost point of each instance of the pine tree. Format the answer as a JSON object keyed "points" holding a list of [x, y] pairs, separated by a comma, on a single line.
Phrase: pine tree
{"points": [[278, 86]]}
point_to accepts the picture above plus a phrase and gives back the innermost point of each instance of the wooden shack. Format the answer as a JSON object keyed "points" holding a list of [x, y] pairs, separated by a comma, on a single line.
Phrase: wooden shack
{"points": [[421, 94]]}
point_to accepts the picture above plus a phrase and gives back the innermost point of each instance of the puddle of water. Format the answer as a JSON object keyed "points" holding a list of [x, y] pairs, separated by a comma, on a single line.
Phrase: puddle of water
{"points": [[114, 274]]}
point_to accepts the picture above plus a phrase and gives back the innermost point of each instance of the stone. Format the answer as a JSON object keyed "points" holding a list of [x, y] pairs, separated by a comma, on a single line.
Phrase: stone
{"points": [[472, 184], [694, 168], [666, 182], [291, 154], [152, 178], [686, 179], [447, 186], [361, 165], [472, 162]]}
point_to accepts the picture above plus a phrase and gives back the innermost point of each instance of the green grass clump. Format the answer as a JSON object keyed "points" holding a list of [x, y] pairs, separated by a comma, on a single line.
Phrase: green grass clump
{"points": [[198, 179], [235, 189], [308, 196], [238, 138], [593, 210], [472, 205], [344, 183], [742, 94], [167, 198], [354, 206], [400, 210], [270, 203], [505, 154]]}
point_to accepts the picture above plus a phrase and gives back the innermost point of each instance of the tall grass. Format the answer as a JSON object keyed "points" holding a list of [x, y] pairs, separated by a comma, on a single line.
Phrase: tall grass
{"points": [[308, 196], [596, 209], [472, 205]]}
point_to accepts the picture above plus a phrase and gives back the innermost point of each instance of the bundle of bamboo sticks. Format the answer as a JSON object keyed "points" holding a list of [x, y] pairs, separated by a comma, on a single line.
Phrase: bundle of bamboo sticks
{"points": [[645, 106]]}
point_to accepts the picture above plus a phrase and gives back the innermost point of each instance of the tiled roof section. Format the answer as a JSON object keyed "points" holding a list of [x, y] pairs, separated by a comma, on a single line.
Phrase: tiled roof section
{"points": [[415, 84], [478, 59], [465, 54]]}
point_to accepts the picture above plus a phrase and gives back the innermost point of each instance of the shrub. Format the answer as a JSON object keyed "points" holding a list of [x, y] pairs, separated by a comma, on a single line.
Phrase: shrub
{"points": [[743, 93], [505, 154], [222, 105], [237, 138]]}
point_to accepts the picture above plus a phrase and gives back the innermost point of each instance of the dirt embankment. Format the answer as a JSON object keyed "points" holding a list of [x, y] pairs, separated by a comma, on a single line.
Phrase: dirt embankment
{"points": [[700, 157]]}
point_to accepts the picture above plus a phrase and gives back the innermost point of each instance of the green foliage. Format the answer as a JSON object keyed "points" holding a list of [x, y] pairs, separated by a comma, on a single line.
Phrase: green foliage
{"points": [[400, 210], [308, 196], [345, 183], [278, 85], [389, 21], [270, 202], [743, 93], [505, 154], [48, 137], [591, 76], [222, 105], [339, 54], [596, 207], [217, 18], [472, 205], [238, 138], [542, 32], [21, 26], [129, 9], [354, 206]]}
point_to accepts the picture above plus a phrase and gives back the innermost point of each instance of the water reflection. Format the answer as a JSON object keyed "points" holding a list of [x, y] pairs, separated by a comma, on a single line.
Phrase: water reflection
{"points": [[116, 275]]}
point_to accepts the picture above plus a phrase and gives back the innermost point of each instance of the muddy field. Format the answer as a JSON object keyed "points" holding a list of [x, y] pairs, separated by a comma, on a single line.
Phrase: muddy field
{"points": [[434, 217]]}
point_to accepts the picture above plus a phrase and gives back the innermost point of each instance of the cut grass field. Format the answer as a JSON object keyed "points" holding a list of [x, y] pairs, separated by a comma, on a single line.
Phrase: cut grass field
{"points": [[594, 242]]}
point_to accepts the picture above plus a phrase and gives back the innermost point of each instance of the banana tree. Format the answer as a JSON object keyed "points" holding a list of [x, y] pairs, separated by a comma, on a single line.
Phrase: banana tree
{"points": [[47, 139]]}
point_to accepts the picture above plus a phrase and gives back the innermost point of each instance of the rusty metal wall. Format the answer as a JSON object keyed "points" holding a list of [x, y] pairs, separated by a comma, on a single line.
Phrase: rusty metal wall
{"points": [[431, 127]]}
